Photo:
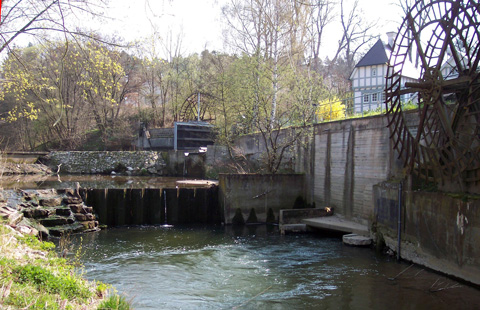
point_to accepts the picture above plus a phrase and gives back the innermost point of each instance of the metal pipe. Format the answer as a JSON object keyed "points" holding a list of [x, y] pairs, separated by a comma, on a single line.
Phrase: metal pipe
{"points": [[198, 107], [399, 215]]}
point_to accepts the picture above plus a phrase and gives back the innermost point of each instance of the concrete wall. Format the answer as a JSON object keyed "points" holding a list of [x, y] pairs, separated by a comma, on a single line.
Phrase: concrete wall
{"points": [[438, 230], [341, 162], [240, 193], [350, 157]]}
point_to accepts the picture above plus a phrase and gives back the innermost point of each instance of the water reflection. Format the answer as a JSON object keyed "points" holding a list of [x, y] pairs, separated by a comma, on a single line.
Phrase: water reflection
{"points": [[95, 181], [256, 268]]}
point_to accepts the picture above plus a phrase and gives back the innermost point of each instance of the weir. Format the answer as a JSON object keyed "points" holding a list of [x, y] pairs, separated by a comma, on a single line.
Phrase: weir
{"points": [[154, 206]]}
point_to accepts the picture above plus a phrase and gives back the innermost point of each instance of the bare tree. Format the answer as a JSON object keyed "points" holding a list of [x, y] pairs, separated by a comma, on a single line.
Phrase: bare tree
{"points": [[321, 15], [35, 17], [355, 33]]}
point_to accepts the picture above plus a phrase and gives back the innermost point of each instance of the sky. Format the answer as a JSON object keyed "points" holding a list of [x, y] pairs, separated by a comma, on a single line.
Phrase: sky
{"points": [[201, 24]]}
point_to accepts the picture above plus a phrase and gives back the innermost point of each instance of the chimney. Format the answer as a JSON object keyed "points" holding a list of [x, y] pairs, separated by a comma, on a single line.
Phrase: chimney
{"points": [[391, 37]]}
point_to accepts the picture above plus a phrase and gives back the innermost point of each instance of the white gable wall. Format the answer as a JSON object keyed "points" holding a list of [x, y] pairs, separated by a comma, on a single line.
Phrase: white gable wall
{"points": [[368, 84]]}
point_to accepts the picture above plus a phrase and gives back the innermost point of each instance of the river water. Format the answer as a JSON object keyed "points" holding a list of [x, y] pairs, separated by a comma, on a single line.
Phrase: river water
{"points": [[254, 267]]}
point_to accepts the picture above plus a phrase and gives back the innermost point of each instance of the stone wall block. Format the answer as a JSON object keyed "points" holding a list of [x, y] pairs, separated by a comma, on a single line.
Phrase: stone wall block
{"points": [[51, 202]]}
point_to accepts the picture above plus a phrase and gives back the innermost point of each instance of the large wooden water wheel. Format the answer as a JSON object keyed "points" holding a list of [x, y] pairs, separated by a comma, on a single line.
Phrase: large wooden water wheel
{"points": [[439, 139]]}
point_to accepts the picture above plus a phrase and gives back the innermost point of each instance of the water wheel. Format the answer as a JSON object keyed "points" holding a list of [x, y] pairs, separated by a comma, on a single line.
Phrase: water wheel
{"points": [[437, 134], [198, 106]]}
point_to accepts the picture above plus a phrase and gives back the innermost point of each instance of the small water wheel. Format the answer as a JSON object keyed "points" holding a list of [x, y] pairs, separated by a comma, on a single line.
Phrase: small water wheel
{"points": [[198, 106], [438, 134]]}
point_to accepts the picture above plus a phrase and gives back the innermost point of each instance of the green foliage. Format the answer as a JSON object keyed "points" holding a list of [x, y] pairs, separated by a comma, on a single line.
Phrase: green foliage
{"points": [[409, 105], [59, 91], [102, 289], [115, 302], [38, 281], [34, 243], [67, 285]]}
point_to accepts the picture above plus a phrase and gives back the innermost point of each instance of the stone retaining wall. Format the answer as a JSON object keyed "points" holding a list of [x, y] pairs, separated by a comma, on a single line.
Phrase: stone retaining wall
{"points": [[137, 162]]}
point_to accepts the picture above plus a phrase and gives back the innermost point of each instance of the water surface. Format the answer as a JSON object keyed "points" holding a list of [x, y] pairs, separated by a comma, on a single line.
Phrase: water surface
{"points": [[256, 268], [97, 181]]}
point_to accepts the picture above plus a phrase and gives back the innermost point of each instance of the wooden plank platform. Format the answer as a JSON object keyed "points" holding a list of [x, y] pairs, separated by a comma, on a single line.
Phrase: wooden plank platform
{"points": [[336, 223]]}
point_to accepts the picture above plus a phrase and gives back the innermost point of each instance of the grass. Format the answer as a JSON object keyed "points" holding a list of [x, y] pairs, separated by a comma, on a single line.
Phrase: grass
{"points": [[32, 276], [114, 302]]}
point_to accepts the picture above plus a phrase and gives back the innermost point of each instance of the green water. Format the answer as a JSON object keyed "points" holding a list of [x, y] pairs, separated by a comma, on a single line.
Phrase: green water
{"points": [[256, 268]]}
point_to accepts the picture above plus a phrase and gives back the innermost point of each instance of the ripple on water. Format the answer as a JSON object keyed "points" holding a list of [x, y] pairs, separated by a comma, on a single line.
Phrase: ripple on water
{"points": [[196, 268]]}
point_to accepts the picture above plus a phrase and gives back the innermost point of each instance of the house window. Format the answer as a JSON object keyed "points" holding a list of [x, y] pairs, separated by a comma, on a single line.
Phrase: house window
{"points": [[383, 96], [374, 72], [374, 97], [365, 98]]}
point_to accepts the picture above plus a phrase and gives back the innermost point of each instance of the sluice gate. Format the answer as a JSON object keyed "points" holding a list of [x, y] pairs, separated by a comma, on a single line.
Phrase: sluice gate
{"points": [[147, 206]]}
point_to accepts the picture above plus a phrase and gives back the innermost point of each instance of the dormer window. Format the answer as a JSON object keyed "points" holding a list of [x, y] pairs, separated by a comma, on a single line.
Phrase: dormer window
{"points": [[374, 72]]}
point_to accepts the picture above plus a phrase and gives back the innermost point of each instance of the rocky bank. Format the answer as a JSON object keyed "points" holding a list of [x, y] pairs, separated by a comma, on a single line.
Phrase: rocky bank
{"points": [[46, 213]]}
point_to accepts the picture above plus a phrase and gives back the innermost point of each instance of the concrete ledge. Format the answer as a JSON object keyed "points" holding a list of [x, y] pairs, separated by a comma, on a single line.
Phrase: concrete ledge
{"points": [[336, 223], [290, 220]]}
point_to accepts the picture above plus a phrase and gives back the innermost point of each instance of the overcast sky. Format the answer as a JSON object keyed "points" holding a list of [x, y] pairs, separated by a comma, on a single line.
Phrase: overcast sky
{"points": [[200, 21]]}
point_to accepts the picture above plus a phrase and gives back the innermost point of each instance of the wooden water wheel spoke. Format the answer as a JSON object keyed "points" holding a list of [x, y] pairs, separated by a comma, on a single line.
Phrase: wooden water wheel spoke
{"points": [[447, 28], [445, 143], [416, 37]]}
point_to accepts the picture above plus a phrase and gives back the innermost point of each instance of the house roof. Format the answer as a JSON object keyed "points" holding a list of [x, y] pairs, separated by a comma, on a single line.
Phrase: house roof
{"points": [[375, 56], [379, 54]]}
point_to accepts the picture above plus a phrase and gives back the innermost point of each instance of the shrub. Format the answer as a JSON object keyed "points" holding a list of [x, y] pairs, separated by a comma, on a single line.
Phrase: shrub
{"points": [[115, 302]]}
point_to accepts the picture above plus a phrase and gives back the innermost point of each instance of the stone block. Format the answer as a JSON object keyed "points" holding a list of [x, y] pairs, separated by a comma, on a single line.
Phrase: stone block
{"points": [[10, 215], [72, 200], [36, 213], [56, 221], [80, 217], [51, 202], [63, 211], [88, 224], [27, 230], [77, 208]]}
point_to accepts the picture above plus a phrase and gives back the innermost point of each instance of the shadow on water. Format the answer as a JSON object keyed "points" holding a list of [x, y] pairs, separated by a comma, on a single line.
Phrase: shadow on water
{"points": [[254, 267]]}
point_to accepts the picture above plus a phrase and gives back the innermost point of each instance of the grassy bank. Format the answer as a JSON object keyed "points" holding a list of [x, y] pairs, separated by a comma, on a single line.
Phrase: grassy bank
{"points": [[32, 276]]}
